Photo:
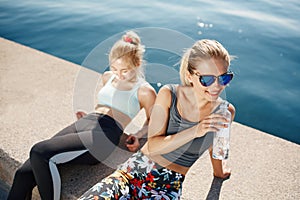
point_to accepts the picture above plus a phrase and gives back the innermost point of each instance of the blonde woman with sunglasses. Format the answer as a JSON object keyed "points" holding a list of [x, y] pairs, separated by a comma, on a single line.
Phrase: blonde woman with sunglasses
{"points": [[181, 129]]}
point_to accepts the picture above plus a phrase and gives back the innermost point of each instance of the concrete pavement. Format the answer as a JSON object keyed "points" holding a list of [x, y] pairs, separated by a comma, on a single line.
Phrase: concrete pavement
{"points": [[37, 100]]}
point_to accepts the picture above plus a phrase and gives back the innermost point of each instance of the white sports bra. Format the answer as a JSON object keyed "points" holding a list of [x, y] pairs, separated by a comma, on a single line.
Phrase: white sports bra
{"points": [[125, 101]]}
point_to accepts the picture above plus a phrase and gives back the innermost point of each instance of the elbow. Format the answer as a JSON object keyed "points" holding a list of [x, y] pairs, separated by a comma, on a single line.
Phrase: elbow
{"points": [[150, 148]]}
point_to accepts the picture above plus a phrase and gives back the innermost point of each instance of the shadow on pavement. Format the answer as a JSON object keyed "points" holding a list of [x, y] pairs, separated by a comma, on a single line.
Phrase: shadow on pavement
{"points": [[215, 189]]}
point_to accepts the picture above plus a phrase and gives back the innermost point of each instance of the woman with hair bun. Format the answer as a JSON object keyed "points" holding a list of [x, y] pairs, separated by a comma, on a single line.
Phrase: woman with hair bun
{"points": [[181, 129], [93, 137]]}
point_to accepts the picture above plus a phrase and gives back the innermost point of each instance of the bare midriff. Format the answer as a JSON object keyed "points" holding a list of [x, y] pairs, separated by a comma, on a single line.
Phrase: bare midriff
{"points": [[120, 117], [164, 162]]}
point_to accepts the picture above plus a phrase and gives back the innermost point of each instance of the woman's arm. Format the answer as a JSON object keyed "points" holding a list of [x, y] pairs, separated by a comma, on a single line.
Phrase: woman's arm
{"points": [[219, 168], [146, 96], [103, 79], [139, 124], [158, 142]]}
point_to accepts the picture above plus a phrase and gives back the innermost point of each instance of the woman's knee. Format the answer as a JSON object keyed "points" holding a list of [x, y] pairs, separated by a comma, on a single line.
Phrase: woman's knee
{"points": [[22, 172], [39, 151], [117, 184]]}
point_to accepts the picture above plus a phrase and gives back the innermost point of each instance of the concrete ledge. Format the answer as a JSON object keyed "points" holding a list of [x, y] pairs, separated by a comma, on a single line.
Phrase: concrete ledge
{"points": [[36, 98]]}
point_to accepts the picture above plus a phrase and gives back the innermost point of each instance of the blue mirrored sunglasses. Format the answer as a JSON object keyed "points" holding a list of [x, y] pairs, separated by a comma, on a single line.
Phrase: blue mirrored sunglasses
{"points": [[207, 80]]}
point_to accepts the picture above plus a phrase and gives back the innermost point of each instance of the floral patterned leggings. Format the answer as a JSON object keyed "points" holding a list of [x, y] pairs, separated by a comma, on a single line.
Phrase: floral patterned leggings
{"points": [[138, 178]]}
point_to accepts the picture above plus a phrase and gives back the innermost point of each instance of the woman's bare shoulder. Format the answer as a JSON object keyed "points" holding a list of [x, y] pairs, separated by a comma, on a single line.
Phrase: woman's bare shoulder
{"points": [[106, 76], [146, 89], [164, 96]]}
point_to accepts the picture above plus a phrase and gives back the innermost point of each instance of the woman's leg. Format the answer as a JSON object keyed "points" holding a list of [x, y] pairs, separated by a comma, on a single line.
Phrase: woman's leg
{"points": [[23, 183], [115, 186], [63, 148], [24, 180], [138, 178], [46, 154]]}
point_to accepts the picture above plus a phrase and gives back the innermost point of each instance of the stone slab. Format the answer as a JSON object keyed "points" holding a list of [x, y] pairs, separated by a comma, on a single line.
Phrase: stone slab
{"points": [[37, 100]]}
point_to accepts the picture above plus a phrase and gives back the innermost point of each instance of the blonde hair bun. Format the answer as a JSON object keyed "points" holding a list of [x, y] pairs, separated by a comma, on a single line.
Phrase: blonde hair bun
{"points": [[131, 37]]}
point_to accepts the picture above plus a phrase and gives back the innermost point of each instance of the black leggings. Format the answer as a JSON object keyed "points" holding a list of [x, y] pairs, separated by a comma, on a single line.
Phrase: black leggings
{"points": [[89, 140]]}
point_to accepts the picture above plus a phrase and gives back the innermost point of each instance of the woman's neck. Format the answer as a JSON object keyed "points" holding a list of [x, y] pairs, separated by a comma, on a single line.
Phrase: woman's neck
{"points": [[125, 84], [194, 107], [197, 100]]}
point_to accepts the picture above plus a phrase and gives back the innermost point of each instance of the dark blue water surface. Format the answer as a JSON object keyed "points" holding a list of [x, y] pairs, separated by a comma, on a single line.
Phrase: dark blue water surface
{"points": [[264, 35]]}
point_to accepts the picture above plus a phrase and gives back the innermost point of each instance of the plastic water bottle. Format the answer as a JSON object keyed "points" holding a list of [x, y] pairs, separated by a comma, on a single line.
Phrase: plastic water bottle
{"points": [[221, 137]]}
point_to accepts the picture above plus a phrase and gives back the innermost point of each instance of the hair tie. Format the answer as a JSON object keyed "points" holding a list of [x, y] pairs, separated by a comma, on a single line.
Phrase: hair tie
{"points": [[128, 39]]}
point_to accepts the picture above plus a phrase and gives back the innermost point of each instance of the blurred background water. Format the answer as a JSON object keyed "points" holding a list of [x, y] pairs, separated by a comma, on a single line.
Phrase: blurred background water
{"points": [[264, 35]]}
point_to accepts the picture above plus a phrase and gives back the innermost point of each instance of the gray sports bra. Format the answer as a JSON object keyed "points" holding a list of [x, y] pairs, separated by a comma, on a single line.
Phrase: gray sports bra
{"points": [[187, 154]]}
